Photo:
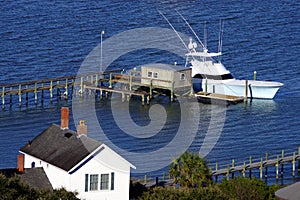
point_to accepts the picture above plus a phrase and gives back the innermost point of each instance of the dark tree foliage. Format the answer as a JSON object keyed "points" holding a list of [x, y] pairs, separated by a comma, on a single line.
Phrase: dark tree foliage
{"points": [[190, 170], [246, 188], [14, 188]]}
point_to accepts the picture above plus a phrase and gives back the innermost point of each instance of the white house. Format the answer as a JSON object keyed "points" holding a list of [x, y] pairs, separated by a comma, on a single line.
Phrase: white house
{"points": [[78, 163]]}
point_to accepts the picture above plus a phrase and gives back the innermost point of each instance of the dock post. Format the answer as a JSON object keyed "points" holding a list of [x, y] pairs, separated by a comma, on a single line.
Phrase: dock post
{"points": [[72, 87], [145, 179], [282, 156], [26, 98], [51, 91], [293, 162], [151, 88], [130, 81], [143, 100], [96, 81], [228, 171], [81, 86], [298, 160], [191, 83], [261, 168], [42, 100], [110, 80], [232, 165], [205, 91], [66, 93], [244, 170], [217, 170], [123, 97], [254, 75], [3, 97], [277, 165], [172, 92], [10, 96], [246, 90], [148, 100], [250, 171], [58, 94], [20, 95], [266, 172], [101, 94]]}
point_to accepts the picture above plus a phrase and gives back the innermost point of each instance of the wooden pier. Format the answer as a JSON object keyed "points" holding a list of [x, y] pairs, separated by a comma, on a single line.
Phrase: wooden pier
{"points": [[113, 81], [61, 87], [213, 98], [262, 165]]}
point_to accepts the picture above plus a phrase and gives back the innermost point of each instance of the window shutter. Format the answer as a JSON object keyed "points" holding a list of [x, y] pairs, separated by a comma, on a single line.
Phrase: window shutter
{"points": [[86, 182], [112, 181]]}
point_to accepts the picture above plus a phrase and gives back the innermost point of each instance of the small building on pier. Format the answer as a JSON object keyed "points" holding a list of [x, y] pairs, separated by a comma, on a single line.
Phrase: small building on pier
{"points": [[177, 79]]}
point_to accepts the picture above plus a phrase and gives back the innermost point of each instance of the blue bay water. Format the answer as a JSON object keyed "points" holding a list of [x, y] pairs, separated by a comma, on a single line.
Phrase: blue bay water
{"points": [[50, 39]]}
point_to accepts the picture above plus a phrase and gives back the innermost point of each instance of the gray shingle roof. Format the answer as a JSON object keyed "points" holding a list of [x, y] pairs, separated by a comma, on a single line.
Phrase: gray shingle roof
{"points": [[35, 178], [61, 148]]}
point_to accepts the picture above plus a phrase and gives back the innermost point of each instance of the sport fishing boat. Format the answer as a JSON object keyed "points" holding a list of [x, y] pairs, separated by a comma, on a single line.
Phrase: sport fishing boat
{"points": [[211, 76]]}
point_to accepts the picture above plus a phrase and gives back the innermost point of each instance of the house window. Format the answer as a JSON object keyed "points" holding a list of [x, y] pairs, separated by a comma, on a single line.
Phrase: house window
{"points": [[155, 75], [182, 76], [149, 74], [104, 181], [112, 181], [94, 182]]}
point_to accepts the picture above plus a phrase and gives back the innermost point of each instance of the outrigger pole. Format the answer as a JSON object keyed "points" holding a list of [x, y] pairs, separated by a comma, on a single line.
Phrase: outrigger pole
{"points": [[190, 28]]}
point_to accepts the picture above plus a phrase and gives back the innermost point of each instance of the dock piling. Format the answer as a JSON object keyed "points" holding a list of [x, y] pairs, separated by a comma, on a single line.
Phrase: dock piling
{"points": [[26, 96], [10, 96], [250, 162], [20, 95], [3, 97], [35, 93], [51, 90], [293, 164], [266, 168]]}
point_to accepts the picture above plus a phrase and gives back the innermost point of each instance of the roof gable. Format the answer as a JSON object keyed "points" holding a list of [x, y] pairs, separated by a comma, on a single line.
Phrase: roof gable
{"points": [[61, 148]]}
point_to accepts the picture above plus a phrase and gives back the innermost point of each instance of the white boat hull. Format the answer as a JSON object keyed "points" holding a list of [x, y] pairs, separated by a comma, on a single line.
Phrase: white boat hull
{"points": [[255, 89]]}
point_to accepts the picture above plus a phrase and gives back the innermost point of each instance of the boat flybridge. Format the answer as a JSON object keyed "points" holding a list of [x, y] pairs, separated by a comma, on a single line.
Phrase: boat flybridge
{"points": [[211, 76]]}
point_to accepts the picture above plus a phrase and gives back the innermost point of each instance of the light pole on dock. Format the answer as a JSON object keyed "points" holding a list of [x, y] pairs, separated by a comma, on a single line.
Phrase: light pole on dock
{"points": [[101, 69]]}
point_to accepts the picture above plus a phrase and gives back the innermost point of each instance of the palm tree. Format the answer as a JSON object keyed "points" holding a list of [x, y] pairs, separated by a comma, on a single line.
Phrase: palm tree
{"points": [[190, 170]]}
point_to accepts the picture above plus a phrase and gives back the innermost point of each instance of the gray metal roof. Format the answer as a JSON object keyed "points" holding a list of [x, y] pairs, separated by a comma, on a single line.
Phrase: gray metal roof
{"points": [[166, 67], [61, 148], [291, 192]]}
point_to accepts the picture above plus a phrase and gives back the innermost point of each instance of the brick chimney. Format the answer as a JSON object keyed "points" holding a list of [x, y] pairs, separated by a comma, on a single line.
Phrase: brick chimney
{"points": [[21, 163], [64, 118], [81, 128]]}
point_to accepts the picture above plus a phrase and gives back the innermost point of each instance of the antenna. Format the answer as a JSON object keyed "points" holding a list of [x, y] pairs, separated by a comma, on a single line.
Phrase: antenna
{"points": [[205, 36], [174, 30], [221, 37], [190, 27]]}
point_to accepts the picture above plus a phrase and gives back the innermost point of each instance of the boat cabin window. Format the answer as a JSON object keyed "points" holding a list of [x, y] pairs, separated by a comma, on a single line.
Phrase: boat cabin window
{"points": [[182, 76]]}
